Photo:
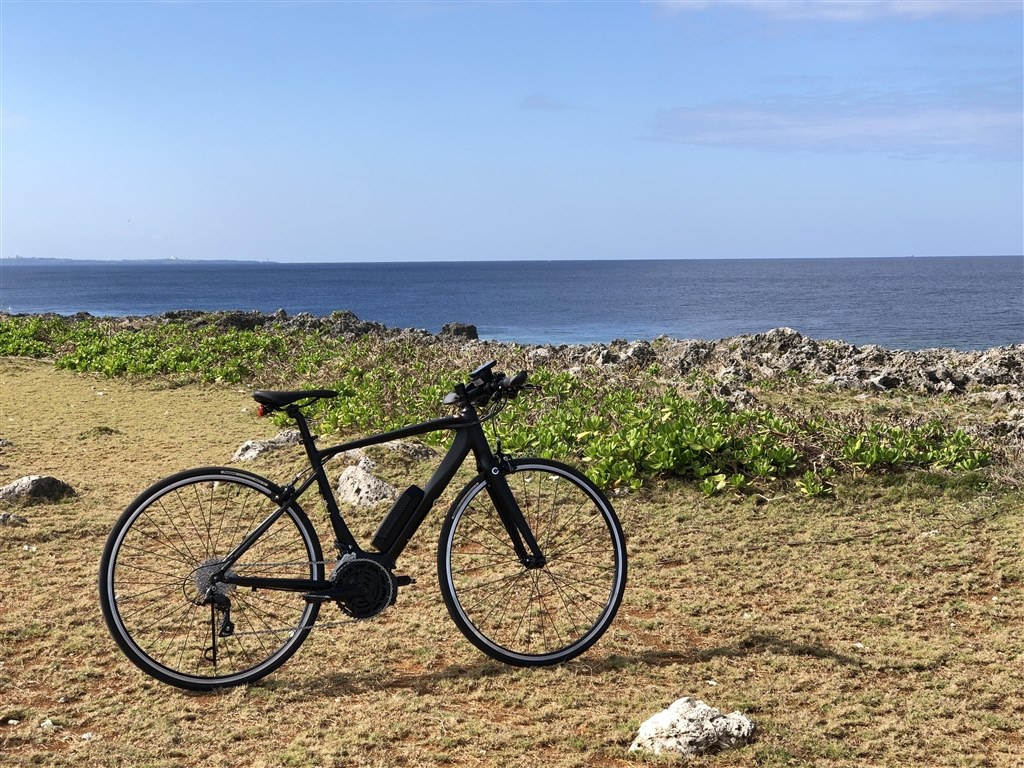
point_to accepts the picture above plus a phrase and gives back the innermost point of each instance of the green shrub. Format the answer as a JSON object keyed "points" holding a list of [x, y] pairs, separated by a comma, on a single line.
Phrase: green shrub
{"points": [[623, 433]]}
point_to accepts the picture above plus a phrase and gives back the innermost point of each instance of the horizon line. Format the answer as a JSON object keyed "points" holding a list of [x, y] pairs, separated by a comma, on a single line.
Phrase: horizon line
{"points": [[228, 260]]}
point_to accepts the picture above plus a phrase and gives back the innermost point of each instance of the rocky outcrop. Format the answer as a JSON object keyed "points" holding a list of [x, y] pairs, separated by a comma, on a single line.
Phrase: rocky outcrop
{"points": [[458, 331], [784, 353], [691, 727]]}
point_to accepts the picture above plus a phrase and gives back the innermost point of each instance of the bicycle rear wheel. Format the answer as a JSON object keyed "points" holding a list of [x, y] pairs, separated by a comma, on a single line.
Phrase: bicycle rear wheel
{"points": [[533, 616], [155, 580]]}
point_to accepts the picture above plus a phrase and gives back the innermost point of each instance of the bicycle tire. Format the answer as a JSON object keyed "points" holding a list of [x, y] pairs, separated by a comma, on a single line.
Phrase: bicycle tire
{"points": [[163, 547], [541, 616]]}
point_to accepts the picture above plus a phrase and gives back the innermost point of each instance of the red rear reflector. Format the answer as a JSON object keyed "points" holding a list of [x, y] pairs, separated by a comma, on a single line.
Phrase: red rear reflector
{"points": [[261, 411]]}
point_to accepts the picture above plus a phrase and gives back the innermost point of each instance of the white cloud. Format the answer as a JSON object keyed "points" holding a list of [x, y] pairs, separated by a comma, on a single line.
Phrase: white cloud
{"points": [[540, 102], [13, 121], [986, 121], [854, 10]]}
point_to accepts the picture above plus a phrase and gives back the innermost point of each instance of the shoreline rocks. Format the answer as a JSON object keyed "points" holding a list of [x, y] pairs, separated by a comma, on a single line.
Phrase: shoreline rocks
{"points": [[781, 354], [784, 353]]}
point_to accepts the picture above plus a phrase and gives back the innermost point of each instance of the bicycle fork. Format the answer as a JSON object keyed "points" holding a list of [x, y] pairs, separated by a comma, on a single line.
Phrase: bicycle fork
{"points": [[494, 466], [512, 517]]}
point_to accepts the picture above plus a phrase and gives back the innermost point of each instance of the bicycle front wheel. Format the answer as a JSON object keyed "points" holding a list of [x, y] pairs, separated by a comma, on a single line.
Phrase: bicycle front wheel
{"points": [[533, 616], [156, 588]]}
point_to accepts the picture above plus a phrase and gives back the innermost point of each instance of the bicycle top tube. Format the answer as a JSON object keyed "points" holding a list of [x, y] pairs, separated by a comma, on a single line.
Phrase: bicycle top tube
{"points": [[423, 428]]}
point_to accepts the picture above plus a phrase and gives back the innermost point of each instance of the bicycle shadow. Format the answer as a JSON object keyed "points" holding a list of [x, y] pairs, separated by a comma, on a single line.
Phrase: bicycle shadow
{"points": [[347, 683], [753, 644]]}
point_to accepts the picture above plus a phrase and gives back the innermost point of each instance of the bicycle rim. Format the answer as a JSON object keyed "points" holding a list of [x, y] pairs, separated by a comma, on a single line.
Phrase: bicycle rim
{"points": [[156, 573], [540, 616]]}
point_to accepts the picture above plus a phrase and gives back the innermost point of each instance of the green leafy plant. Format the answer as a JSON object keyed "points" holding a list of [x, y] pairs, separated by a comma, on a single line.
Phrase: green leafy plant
{"points": [[817, 484], [624, 432], [884, 446]]}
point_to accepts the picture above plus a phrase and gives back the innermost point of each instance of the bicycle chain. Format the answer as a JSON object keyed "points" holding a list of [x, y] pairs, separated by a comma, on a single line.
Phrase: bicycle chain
{"points": [[283, 565], [314, 625]]}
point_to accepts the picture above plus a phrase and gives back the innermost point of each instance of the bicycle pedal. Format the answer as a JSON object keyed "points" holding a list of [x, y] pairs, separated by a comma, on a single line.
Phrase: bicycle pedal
{"points": [[314, 597], [404, 581]]}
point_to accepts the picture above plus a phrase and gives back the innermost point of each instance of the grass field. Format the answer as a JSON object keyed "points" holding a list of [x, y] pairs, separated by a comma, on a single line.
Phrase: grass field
{"points": [[882, 627]]}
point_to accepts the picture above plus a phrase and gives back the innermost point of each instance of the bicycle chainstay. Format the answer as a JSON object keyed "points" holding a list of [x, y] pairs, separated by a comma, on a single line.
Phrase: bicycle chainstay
{"points": [[289, 630]]}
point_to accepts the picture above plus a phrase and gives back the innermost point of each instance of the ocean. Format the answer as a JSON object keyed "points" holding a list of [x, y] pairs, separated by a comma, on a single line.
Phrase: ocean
{"points": [[901, 303]]}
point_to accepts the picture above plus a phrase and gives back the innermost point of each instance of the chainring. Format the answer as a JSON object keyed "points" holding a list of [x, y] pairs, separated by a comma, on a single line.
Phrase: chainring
{"points": [[370, 584]]}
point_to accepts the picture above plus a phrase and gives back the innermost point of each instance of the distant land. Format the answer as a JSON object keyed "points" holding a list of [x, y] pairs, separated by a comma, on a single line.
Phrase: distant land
{"points": [[33, 260]]}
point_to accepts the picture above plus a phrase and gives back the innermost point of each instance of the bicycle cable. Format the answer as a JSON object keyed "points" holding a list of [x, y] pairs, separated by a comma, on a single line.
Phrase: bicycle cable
{"points": [[290, 630]]}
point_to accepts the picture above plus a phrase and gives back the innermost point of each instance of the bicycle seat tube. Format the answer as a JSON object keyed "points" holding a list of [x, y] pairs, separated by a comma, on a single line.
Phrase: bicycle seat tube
{"points": [[345, 539]]}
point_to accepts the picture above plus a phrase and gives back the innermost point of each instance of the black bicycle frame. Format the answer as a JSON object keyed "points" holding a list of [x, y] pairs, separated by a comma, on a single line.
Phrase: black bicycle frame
{"points": [[469, 438]]}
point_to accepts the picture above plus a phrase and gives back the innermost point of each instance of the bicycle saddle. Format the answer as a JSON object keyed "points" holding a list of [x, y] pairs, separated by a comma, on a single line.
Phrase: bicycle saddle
{"points": [[280, 399]]}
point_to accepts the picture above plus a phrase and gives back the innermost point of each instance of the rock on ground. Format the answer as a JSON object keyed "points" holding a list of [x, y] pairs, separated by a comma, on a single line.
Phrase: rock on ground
{"points": [[691, 727], [357, 487], [36, 488], [251, 450]]}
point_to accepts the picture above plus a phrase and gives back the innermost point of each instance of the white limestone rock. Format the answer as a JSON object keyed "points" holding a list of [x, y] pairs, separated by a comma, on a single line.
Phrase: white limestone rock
{"points": [[358, 488], [691, 727], [411, 450], [251, 450]]}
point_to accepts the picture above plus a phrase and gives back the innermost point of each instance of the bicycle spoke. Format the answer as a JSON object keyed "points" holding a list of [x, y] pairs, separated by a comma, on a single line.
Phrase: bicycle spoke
{"points": [[169, 541]]}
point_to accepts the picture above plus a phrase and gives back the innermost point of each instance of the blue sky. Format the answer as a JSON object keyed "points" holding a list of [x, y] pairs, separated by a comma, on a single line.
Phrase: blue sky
{"points": [[305, 131]]}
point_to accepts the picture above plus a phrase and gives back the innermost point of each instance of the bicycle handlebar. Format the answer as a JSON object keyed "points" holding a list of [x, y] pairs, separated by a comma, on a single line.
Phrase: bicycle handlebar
{"points": [[485, 385]]}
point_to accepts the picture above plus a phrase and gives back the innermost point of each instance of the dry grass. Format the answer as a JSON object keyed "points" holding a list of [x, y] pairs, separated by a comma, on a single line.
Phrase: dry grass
{"points": [[884, 628]]}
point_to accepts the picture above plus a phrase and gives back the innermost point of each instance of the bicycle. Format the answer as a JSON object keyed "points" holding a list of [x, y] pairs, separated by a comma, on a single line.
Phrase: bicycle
{"points": [[214, 576]]}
